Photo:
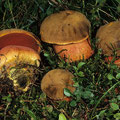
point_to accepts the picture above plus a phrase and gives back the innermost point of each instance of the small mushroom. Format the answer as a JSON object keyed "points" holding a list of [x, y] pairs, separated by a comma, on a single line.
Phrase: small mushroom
{"points": [[109, 40], [54, 82], [68, 31], [19, 62], [19, 37]]}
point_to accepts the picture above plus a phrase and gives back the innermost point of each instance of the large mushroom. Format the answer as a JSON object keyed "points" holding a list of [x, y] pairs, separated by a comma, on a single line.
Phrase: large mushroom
{"points": [[19, 58], [54, 82], [109, 40], [68, 31]]}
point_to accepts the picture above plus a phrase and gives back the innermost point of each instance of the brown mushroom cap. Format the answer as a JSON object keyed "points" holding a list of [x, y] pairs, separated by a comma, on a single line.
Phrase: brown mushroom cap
{"points": [[109, 38], [11, 57], [65, 27], [54, 82], [19, 37]]}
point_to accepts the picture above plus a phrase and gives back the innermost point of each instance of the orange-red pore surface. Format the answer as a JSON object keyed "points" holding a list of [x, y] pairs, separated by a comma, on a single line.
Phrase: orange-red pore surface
{"points": [[116, 61], [74, 51], [20, 39]]}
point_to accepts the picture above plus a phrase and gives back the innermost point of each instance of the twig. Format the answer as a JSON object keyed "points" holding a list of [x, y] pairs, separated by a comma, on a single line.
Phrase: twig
{"points": [[61, 110], [6, 110], [28, 101], [106, 13]]}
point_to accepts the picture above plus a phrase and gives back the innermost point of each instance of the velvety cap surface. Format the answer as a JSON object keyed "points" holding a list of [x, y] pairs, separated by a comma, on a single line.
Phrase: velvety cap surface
{"points": [[54, 82], [109, 38], [65, 27]]}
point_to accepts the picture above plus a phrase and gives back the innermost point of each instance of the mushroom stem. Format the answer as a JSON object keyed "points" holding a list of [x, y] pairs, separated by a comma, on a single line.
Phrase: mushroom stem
{"points": [[74, 51], [110, 58], [18, 64]]}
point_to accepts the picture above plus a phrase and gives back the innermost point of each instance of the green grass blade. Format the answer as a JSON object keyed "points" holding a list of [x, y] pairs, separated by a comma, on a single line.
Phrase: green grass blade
{"points": [[30, 113], [103, 97]]}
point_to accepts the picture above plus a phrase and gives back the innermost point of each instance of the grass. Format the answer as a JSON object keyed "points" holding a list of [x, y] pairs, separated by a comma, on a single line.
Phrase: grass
{"points": [[97, 95]]}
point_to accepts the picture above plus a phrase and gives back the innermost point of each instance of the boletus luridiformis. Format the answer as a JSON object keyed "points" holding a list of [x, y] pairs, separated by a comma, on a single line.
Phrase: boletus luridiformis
{"points": [[19, 58], [68, 31], [19, 37], [54, 82], [109, 41]]}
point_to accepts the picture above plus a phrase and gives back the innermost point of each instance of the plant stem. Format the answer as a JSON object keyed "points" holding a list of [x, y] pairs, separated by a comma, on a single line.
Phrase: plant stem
{"points": [[12, 14], [106, 13], [103, 97], [6, 110]]}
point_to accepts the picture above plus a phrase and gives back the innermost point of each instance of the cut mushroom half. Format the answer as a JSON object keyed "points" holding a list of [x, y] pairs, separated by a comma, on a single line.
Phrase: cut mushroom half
{"points": [[19, 63], [19, 37]]}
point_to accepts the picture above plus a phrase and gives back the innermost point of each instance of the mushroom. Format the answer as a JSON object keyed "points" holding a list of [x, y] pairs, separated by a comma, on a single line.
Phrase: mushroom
{"points": [[68, 31], [19, 57], [19, 62], [19, 37], [109, 40], [54, 82]]}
